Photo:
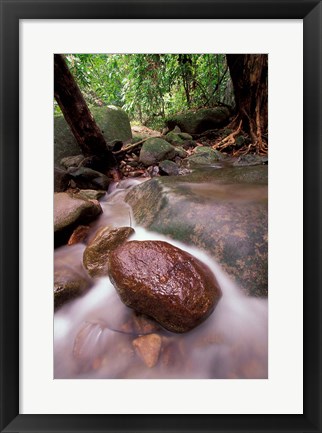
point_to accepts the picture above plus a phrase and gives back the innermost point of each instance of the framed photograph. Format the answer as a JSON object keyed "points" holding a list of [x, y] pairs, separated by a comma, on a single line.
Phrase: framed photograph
{"points": [[254, 364]]}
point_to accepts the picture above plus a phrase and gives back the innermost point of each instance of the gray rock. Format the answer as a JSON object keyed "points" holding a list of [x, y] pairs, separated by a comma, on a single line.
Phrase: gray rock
{"points": [[168, 167], [250, 160], [155, 150], [203, 156], [69, 212], [222, 211], [72, 161]]}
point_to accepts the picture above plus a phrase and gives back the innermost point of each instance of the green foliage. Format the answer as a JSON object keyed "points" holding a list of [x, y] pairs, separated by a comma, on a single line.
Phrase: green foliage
{"points": [[150, 87]]}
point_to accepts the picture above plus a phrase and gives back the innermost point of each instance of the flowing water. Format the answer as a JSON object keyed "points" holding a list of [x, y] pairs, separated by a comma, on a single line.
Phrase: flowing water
{"points": [[91, 341]]}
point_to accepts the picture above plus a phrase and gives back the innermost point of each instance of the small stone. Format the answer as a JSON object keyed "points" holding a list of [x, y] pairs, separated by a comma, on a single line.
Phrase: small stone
{"points": [[79, 235], [148, 348]]}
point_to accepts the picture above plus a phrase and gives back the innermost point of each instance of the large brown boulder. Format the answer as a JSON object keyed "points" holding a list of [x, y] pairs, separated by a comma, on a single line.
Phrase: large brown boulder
{"points": [[160, 280]]}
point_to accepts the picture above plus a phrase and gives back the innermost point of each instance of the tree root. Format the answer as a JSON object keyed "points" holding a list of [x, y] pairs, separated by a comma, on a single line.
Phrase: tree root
{"points": [[229, 140]]}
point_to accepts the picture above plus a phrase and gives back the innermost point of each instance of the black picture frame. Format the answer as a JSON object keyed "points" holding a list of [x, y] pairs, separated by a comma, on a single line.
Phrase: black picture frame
{"points": [[11, 12]]}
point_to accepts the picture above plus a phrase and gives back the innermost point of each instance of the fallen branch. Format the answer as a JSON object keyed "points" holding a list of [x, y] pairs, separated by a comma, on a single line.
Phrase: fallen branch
{"points": [[132, 146]]}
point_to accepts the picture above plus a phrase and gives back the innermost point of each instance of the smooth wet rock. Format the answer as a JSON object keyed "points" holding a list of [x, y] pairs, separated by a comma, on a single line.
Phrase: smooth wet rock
{"points": [[69, 212], [148, 348], [79, 235], [89, 194], [155, 150], [70, 279], [97, 252], [222, 211], [164, 282], [196, 122]]}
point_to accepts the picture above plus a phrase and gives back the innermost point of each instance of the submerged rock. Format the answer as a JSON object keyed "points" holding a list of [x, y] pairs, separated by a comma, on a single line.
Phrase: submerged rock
{"points": [[148, 348], [96, 253], [160, 280]]}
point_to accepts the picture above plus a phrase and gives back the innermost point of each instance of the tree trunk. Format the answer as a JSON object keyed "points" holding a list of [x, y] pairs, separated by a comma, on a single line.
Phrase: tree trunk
{"points": [[249, 77], [77, 115]]}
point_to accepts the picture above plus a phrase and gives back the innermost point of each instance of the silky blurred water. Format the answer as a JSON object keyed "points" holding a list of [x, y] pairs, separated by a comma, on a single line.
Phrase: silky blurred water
{"points": [[91, 341]]}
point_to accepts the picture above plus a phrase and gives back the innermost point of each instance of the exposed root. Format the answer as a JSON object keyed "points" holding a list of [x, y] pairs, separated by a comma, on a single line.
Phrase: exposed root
{"points": [[229, 140]]}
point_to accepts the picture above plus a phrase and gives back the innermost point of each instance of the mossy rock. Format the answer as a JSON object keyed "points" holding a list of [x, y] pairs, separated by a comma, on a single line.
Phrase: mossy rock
{"points": [[196, 122], [113, 122], [180, 139], [204, 156], [155, 150], [169, 168]]}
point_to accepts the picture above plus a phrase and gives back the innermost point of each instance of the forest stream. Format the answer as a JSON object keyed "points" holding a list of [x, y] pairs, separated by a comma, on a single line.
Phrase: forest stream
{"points": [[97, 336]]}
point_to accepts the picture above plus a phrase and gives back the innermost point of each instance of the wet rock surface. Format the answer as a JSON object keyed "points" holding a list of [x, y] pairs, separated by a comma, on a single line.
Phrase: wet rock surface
{"points": [[159, 280], [69, 212], [97, 252], [70, 280], [222, 211]]}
